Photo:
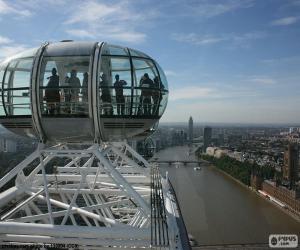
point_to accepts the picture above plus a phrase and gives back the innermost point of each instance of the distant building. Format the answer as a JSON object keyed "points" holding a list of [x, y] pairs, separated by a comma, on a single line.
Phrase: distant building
{"points": [[191, 130], [293, 130], [291, 164], [221, 139], [207, 133], [289, 197], [211, 151]]}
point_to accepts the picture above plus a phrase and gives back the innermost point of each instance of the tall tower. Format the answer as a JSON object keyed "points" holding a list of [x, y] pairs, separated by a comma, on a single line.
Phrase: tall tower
{"points": [[206, 137], [291, 162], [191, 130]]}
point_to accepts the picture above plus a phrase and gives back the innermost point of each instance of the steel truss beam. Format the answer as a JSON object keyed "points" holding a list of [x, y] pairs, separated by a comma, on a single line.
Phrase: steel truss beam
{"points": [[95, 196]]}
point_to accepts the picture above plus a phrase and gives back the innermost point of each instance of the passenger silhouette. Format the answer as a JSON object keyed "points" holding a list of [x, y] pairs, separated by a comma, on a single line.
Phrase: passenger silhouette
{"points": [[74, 84], [74, 89], [119, 95], [67, 92], [147, 85], [52, 95], [105, 96]]}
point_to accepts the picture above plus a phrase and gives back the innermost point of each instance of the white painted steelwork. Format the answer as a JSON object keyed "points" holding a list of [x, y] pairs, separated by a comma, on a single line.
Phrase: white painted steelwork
{"points": [[94, 196]]}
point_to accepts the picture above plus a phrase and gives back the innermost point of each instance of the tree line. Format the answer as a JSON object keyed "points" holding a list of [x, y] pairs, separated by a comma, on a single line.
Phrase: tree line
{"points": [[240, 170]]}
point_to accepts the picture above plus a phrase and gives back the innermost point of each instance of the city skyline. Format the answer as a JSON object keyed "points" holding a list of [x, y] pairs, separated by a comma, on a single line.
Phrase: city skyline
{"points": [[226, 61]]}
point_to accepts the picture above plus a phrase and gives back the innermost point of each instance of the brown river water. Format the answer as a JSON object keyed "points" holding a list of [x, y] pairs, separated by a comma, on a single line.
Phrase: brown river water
{"points": [[218, 210]]}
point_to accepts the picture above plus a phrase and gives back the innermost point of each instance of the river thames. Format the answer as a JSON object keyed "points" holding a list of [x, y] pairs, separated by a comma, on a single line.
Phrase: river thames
{"points": [[219, 211]]}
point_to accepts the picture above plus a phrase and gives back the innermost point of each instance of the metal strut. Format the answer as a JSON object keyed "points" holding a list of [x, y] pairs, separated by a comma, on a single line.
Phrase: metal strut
{"points": [[94, 196]]}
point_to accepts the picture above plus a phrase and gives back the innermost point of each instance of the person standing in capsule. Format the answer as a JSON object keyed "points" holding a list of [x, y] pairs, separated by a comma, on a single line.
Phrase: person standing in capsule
{"points": [[147, 85], [52, 95], [119, 95], [74, 85]]}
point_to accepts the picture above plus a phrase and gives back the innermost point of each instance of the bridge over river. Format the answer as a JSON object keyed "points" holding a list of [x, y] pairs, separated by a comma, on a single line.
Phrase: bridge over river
{"points": [[183, 162]]}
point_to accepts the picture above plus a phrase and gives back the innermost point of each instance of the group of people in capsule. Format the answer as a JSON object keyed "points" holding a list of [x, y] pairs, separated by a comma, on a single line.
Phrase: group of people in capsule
{"points": [[149, 100]]}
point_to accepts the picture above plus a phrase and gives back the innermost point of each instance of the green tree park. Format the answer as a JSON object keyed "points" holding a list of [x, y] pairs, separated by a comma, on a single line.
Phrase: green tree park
{"points": [[240, 170]]}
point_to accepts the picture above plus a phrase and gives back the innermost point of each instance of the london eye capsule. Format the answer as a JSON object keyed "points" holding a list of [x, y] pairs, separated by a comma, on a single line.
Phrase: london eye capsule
{"points": [[81, 91]]}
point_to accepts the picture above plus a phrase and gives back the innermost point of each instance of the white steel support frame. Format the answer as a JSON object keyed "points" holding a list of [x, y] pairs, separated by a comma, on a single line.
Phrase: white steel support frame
{"points": [[94, 196]]}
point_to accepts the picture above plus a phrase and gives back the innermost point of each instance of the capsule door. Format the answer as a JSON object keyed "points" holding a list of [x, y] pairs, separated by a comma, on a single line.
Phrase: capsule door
{"points": [[63, 96]]}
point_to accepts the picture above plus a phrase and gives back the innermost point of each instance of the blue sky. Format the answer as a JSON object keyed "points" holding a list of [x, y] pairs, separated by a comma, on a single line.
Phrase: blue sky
{"points": [[226, 61]]}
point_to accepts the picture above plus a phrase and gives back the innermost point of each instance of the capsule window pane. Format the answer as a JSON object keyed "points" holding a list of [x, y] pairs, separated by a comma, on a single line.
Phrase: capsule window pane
{"points": [[63, 85], [164, 82], [25, 65], [7, 76], [137, 53], [115, 86], [142, 67], [116, 50], [146, 91], [13, 64], [16, 87], [17, 102], [163, 102], [2, 113], [2, 70], [18, 74], [26, 53], [21, 79], [106, 87]]}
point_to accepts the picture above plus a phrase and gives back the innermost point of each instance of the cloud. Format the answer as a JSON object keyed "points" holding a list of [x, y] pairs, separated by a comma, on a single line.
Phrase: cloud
{"points": [[8, 47], [4, 40], [92, 12], [119, 21], [248, 36], [234, 39], [282, 60], [10, 8], [196, 39], [191, 92], [170, 73], [285, 21], [263, 80], [7, 51], [80, 33], [208, 9]]}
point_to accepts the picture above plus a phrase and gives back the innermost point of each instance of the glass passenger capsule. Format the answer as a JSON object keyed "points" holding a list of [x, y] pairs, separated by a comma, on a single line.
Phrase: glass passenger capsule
{"points": [[81, 91]]}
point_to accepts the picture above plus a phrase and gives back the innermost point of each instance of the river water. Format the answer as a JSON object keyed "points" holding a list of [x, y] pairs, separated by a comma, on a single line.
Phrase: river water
{"points": [[218, 210]]}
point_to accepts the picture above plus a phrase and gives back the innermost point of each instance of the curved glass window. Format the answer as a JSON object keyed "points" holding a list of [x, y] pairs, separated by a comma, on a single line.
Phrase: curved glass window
{"points": [[130, 84], [136, 53], [114, 50], [147, 87], [115, 86], [64, 86], [29, 53], [2, 70], [164, 82], [16, 83], [163, 90]]}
